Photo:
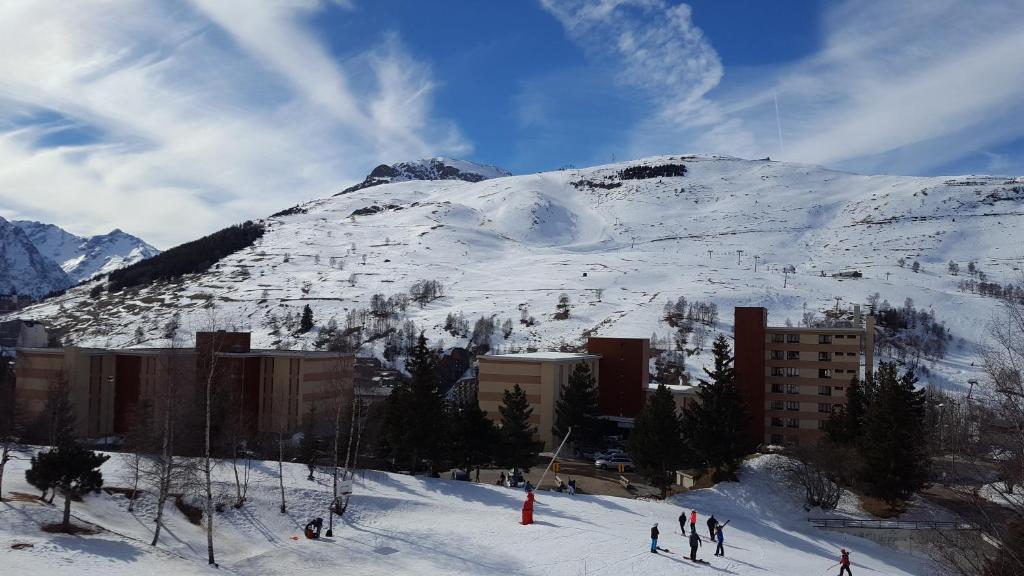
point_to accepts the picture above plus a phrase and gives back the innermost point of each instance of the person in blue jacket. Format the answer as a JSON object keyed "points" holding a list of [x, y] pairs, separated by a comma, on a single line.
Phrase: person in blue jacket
{"points": [[720, 538]]}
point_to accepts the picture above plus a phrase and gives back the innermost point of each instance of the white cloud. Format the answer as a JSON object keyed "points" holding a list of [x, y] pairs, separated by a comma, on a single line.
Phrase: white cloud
{"points": [[902, 86], [198, 115]]}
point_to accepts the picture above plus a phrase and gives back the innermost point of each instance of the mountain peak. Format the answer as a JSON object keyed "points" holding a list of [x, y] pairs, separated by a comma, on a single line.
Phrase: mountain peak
{"points": [[436, 168]]}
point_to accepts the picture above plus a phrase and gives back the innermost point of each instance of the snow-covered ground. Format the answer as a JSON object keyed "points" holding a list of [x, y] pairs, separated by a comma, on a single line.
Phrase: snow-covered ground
{"points": [[619, 253], [399, 524]]}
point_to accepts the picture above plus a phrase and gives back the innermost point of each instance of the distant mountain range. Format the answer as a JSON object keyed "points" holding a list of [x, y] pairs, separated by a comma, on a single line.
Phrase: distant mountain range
{"points": [[38, 258]]}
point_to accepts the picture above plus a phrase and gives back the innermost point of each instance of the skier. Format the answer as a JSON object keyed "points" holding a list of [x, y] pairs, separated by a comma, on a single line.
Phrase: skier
{"points": [[712, 523], [654, 538], [528, 486], [313, 528], [682, 522], [695, 542], [501, 479], [693, 521], [720, 549], [844, 563], [572, 487]]}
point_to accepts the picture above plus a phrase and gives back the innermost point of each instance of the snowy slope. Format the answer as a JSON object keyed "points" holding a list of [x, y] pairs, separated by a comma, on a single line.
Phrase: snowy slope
{"points": [[413, 525], [500, 245], [23, 269], [84, 257], [438, 168]]}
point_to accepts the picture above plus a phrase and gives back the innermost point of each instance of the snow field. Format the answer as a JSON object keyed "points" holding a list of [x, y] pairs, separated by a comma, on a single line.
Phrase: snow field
{"points": [[398, 524]]}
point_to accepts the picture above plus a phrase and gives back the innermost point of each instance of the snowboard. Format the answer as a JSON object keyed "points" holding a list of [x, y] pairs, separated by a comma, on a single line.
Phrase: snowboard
{"points": [[697, 561]]}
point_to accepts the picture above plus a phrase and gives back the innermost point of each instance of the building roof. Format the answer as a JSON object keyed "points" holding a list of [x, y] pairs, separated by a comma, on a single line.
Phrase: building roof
{"points": [[815, 330], [674, 388], [541, 357]]}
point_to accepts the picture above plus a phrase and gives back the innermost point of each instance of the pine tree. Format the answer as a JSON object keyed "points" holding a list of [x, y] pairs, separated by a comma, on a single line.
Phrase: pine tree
{"points": [[69, 469], [306, 323], [578, 408], [714, 427], [474, 438], [518, 446], [655, 444], [893, 438], [845, 425], [415, 417]]}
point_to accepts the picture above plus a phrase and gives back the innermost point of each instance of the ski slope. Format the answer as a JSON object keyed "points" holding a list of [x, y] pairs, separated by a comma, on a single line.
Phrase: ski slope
{"points": [[505, 244], [398, 524]]}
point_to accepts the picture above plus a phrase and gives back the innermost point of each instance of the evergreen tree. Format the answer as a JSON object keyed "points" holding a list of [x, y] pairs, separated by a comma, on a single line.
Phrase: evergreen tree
{"points": [[845, 425], [893, 437], [714, 427], [306, 323], [474, 438], [656, 444], [518, 446], [415, 416], [577, 408], [69, 469]]}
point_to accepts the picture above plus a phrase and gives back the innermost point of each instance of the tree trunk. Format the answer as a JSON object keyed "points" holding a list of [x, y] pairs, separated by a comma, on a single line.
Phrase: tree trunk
{"points": [[280, 468], [206, 470], [66, 524], [135, 482], [4, 458]]}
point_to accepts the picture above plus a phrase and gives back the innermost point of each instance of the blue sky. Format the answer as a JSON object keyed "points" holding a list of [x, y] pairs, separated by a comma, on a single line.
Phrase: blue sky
{"points": [[172, 119]]}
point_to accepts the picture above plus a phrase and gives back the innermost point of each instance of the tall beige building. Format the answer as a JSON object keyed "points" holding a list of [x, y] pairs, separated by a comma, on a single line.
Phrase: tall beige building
{"points": [[793, 378], [542, 375]]}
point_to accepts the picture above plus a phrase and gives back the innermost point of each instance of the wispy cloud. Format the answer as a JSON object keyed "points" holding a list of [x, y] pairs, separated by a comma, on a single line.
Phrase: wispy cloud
{"points": [[192, 116], [904, 86]]}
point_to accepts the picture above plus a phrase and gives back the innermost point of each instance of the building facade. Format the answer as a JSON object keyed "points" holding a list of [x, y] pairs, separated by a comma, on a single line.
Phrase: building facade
{"points": [[625, 373], [793, 378], [273, 389], [541, 375]]}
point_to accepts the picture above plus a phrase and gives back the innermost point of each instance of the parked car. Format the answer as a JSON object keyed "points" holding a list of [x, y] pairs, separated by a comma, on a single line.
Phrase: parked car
{"points": [[608, 453], [614, 462]]}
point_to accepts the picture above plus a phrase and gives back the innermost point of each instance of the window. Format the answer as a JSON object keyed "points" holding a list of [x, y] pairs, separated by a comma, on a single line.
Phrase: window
{"points": [[776, 388], [792, 406], [825, 408], [776, 422], [793, 338], [792, 355], [851, 353], [776, 405], [851, 335], [821, 424], [792, 423], [839, 388], [778, 355], [792, 388], [824, 373], [824, 356], [778, 338], [824, 390], [792, 372], [776, 371], [824, 338], [839, 336]]}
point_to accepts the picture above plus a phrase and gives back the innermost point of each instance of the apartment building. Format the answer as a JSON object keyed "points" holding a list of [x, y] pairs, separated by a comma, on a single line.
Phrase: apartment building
{"points": [[625, 373], [541, 375], [793, 378], [274, 388]]}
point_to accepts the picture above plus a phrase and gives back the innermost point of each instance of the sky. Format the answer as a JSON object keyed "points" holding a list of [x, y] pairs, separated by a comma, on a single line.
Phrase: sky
{"points": [[172, 119]]}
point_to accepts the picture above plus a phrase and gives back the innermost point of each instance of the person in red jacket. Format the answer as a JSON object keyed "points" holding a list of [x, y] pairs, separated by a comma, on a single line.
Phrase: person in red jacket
{"points": [[844, 563], [693, 521]]}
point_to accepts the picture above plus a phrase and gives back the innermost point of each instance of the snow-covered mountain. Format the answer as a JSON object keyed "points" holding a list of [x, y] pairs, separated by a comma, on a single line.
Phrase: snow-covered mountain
{"points": [[619, 240], [85, 257], [437, 168], [23, 269]]}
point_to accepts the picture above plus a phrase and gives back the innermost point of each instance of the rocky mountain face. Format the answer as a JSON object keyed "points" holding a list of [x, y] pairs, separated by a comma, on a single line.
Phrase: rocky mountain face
{"points": [[429, 169], [23, 269], [83, 257]]}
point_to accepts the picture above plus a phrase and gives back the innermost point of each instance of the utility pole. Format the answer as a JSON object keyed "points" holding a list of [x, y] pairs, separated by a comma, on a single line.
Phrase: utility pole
{"points": [[738, 254], [756, 259], [709, 254], [785, 277], [886, 276]]}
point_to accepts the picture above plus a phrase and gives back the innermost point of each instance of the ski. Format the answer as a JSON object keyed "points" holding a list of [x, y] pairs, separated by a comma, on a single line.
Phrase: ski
{"points": [[660, 549]]}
